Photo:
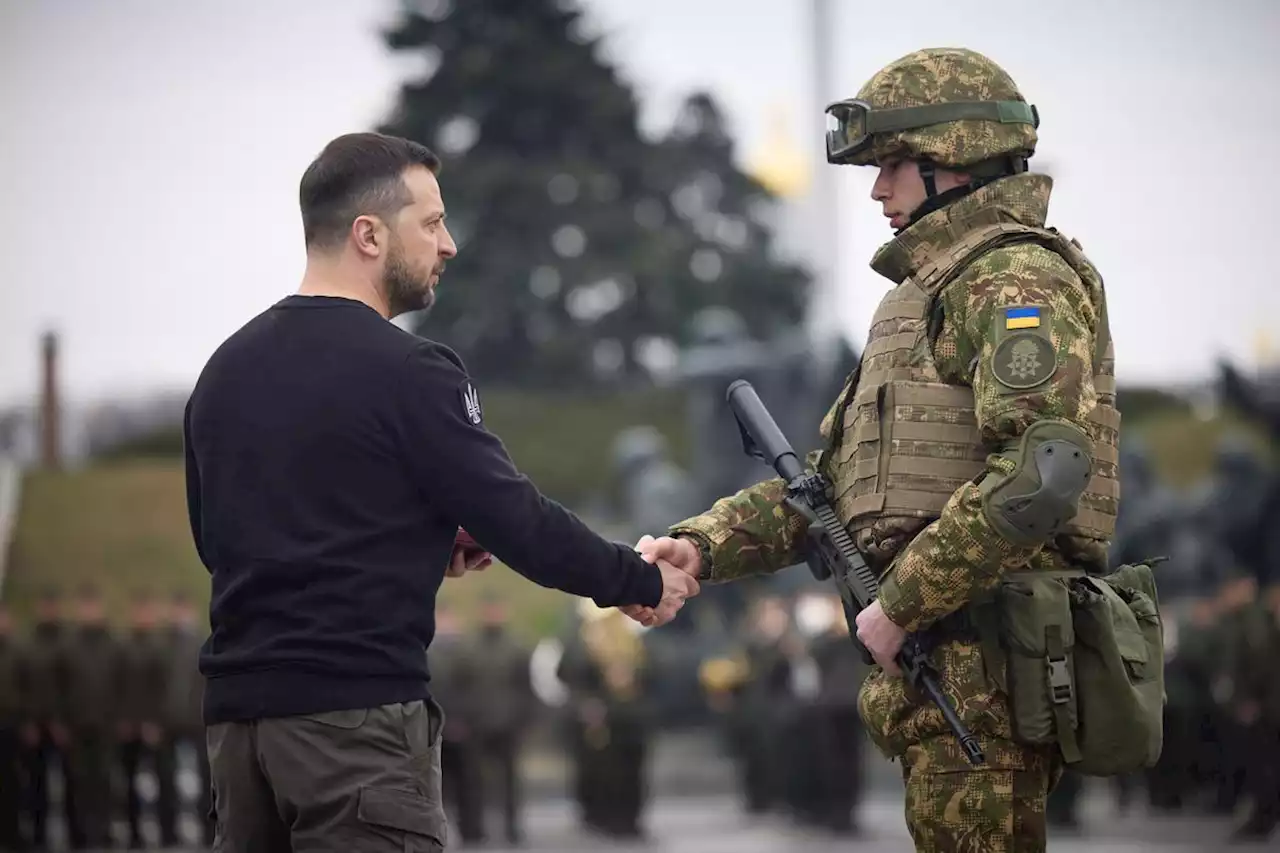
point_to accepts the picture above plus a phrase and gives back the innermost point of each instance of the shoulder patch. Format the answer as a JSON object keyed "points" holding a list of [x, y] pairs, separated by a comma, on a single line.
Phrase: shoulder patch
{"points": [[1024, 360], [470, 402]]}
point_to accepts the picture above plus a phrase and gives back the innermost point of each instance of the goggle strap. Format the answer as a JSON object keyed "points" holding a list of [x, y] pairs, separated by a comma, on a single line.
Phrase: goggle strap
{"points": [[909, 118]]}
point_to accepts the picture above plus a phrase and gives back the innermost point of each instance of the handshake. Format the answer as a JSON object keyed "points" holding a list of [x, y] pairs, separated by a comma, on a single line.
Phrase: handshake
{"points": [[677, 559], [680, 563]]}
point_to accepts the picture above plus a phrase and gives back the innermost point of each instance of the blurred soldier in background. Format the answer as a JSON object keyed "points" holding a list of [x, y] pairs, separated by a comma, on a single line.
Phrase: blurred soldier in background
{"points": [[453, 684], [801, 729], [604, 668], [761, 709], [1233, 507], [47, 740], [144, 680], [94, 679], [504, 705], [1253, 704], [841, 736], [13, 713], [183, 721], [1196, 665], [1237, 595]]}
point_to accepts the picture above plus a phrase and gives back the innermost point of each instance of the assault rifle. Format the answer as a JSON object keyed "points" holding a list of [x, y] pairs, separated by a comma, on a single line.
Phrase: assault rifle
{"points": [[833, 554]]}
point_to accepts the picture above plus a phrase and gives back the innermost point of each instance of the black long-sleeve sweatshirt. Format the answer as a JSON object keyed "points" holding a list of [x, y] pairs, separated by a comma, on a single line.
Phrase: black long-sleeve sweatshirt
{"points": [[331, 458]]}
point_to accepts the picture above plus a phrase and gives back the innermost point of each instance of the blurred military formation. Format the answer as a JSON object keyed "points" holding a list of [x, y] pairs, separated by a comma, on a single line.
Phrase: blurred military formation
{"points": [[88, 715], [786, 695]]}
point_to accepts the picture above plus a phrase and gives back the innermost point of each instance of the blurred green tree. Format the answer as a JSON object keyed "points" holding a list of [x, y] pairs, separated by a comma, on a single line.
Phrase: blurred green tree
{"points": [[585, 248]]}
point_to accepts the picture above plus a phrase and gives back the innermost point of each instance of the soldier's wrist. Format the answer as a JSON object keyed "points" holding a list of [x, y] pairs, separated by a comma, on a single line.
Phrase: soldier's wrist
{"points": [[703, 547]]}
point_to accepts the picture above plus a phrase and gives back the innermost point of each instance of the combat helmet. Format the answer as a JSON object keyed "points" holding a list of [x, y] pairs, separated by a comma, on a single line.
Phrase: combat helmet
{"points": [[943, 107]]}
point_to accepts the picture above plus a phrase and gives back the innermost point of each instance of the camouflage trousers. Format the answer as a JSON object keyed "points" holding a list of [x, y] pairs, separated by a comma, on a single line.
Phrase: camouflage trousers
{"points": [[953, 807]]}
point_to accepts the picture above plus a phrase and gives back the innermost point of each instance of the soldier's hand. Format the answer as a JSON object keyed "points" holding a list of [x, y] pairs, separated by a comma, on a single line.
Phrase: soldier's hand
{"points": [[31, 735], [671, 554], [881, 636], [151, 734]]}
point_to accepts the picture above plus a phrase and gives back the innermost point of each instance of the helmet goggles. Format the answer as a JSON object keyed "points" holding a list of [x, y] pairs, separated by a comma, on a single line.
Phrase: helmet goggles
{"points": [[852, 124]]}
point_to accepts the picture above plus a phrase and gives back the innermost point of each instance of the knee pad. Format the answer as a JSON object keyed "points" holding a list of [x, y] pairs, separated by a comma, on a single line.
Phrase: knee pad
{"points": [[1052, 466]]}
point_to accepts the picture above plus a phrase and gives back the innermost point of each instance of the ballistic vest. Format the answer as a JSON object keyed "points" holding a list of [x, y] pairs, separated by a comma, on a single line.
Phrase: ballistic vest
{"points": [[901, 441]]}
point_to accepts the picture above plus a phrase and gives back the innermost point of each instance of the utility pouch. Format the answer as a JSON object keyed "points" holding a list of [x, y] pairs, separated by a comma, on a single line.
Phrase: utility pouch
{"points": [[1036, 640], [1119, 665]]}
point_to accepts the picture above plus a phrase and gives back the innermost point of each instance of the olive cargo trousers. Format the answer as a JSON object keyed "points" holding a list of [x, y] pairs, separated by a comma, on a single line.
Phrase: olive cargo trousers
{"points": [[365, 779], [952, 807]]}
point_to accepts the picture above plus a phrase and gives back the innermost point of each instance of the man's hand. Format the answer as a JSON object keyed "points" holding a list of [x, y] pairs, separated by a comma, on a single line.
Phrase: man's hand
{"points": [[681, 553], [467, 556], [677, 557], [881, 636]]}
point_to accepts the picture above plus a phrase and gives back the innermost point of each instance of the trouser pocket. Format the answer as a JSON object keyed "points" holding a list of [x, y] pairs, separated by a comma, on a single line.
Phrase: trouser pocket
{"points": [[405, 820]]}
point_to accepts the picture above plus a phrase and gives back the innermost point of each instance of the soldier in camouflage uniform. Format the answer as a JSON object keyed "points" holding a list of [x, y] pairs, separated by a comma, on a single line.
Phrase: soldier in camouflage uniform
{"points": [[504, 707], [47, 739], [95, 678], [184, 721], [605, 668], [991, 352], [144, 675]]}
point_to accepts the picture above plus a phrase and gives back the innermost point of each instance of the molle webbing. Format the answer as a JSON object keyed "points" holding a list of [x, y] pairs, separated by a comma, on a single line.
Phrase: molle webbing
{"points": [[924, 445]]}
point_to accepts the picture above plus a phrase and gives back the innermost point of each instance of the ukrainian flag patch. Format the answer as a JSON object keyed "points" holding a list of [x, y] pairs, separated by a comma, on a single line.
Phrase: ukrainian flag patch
{"points": [[1022, 317]]}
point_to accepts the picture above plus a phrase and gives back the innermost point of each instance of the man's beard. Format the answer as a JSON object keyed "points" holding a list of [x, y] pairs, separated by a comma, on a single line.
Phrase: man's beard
{"points": [[406, 288]]}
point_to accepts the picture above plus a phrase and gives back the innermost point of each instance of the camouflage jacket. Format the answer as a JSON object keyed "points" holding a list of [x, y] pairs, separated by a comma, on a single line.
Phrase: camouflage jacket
{"points": [[958, 557]]}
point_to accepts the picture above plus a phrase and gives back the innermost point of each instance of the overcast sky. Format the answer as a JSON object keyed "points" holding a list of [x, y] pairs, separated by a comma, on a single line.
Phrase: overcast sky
{"points": [[150, 155]]}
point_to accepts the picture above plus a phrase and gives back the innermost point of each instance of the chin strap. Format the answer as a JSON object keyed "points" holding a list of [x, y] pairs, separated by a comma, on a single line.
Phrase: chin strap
{"points": [[981, 174]]}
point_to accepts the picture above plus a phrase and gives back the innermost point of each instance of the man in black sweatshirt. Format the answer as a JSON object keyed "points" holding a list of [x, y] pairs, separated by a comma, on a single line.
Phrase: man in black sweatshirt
{"points": [[332, 459]]}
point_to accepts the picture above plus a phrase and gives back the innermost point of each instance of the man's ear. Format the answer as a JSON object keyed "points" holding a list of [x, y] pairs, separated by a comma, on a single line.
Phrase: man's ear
{"points": [[366, 234], [956, 179]]}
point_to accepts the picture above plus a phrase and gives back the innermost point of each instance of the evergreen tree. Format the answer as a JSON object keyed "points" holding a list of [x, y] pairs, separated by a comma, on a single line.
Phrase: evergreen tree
{"points": [[583, 247]]}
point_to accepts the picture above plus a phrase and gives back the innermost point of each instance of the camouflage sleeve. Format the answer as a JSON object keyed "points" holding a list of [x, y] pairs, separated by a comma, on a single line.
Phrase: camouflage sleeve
{"points": [[1020, 329], [750, 533]]}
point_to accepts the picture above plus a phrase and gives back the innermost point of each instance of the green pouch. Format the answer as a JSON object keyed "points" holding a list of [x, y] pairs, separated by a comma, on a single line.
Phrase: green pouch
{"points": [[1119, 671], [1036, 641]]}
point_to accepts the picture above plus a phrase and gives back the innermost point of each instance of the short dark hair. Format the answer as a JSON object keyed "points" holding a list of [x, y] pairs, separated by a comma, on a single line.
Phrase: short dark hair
{"points": [[357, 174]]}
